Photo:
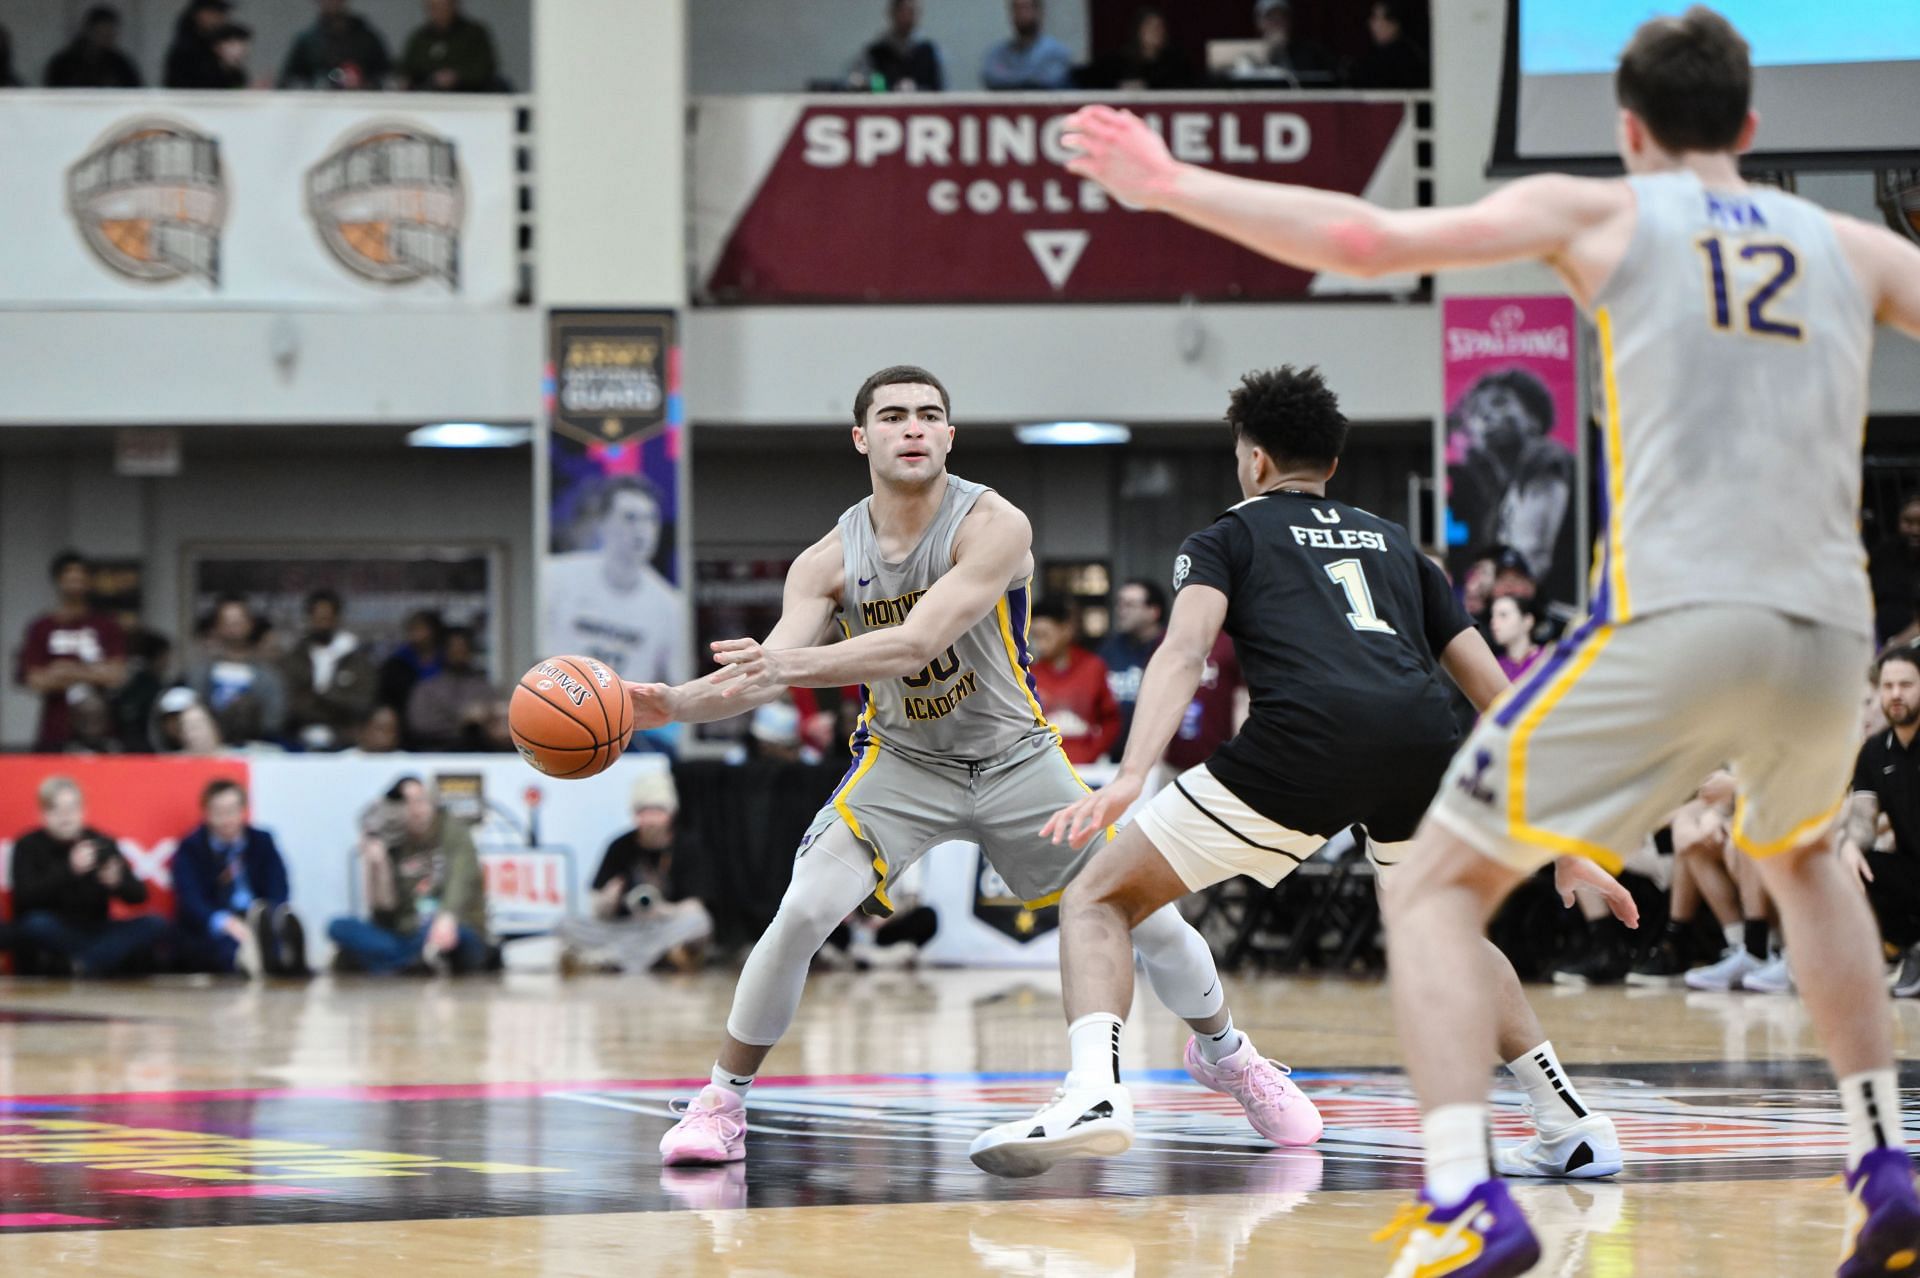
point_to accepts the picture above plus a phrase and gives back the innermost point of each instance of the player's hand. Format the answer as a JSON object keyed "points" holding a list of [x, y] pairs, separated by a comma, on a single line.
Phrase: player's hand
{"points": [[83, 857], [747, 667], [1076, 822], [444, 934], [653, 704], [1571, 872], [1118, 150], [1851, 857]]}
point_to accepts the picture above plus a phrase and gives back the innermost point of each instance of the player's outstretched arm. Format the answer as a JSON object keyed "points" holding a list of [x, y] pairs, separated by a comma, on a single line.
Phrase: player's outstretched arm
{"points": [[1534, 218], [807, 604], [992, 550], [1166, 690]]}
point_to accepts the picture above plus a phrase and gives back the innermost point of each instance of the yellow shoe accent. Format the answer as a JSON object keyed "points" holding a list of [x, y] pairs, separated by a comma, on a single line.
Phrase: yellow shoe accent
{"points": [[1431, 1251], [1902, 1260]]}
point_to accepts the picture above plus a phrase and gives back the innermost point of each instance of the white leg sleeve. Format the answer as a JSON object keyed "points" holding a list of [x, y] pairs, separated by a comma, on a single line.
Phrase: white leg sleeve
{"points": [[829, 882], [1179, 965]]}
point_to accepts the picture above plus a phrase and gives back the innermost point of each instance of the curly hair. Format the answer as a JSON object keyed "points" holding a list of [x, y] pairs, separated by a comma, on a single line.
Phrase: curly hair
{"points": [[1291, 413], [1526, 387]]}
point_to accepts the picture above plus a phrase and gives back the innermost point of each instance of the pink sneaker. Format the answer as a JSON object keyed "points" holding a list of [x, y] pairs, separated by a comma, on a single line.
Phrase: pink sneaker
{"points": [[712, 1129], [1278, 1109]]}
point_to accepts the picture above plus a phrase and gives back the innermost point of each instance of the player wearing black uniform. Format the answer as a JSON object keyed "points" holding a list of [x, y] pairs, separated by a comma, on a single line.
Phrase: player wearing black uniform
{"points": [[1342, 628]]}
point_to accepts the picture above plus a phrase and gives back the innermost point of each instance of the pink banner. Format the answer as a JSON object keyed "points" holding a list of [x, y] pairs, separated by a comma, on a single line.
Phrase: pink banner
{"points": [[1512, 384]]}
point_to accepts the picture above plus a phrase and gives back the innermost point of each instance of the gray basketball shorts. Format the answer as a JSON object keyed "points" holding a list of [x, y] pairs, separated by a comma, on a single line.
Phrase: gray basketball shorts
{"points": [[899, 806], [1592, 749]]}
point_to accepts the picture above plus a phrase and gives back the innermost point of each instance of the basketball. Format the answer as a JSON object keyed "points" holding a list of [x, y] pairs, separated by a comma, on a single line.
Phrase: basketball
{"points": [[570, 717]]}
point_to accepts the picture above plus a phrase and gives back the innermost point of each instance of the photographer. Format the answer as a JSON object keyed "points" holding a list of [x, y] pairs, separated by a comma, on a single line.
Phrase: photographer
{"points": [[64, 876], [423, 887], [641, 912]]}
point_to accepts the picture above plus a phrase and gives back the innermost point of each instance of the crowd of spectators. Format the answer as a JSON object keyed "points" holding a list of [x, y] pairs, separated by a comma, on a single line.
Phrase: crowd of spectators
{"points": [[448, 52]]}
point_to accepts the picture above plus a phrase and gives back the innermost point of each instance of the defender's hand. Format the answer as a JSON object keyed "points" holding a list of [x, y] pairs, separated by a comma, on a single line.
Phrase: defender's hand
{"points": [[746, 667], [1118, 150], [1077, 821]]}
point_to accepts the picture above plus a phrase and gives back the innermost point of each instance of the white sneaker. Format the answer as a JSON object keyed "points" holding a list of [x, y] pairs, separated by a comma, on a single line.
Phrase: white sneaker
{"points": [[1726, 974], [887, 958], [1773, 977], [1079, 1121], [1582, 1151]]}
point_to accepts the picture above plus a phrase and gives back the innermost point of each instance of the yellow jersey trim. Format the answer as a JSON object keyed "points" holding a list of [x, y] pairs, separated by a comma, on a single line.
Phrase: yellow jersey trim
{"points": [[1622, 608], [1800, 834], [1518, 828], [1004, 611]]}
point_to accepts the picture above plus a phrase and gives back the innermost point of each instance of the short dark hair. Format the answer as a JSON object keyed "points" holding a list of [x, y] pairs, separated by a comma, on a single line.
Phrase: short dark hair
{"points": [[1053, 609], [398, 790], [219, 786], [1901, 652], [101, 13], [896, 375], [1156, 597], [1523, 602], [63, 561], [603, 500], [1291, 413], [326, 595], [1689, 79]]}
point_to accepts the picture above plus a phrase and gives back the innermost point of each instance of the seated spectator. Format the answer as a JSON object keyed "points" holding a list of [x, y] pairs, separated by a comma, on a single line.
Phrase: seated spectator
{"points": [[1030, 58], [1283, 59], [1894, 568], [642, 912], [1139, 622], [1512, 622], [330, 678], [1697, 835], [1150, 60], [93, 728], [93, 60], [898, 60], [444, 709], [1393, 61], [69, 653], [230, 893], [380, 733], [1072, 685], [65, 874], [181, 725], [421, 878], [416, 659], [148, 654], [1886, 783], [234, 681], [341, 50], [449, 53], [200, 56]]}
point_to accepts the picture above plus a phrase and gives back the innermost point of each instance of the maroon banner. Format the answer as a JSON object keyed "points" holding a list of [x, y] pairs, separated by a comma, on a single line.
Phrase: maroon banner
{"points": [[968, 202]]}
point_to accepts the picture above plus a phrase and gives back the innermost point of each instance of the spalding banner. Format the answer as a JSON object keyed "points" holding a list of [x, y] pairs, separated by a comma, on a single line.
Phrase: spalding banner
{"points": [[958, 200]]}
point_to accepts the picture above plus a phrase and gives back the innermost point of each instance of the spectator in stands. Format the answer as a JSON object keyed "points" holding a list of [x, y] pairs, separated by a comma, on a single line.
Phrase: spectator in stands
{"points": [[230, 893], [1393, 61], [182, 725], [1218, 708], [93, 60], [1072, 685], [1698, 836], [9, 78], [1894, 567], [380, 733], [415, 660], [330, 678], [445, 709], [1283, 59], [234, 681], [65, 874], [195, 59], [341, 50], [450, 53], [642, 911], [1512, 621], [1029, 58], [899, 61], [148, 657], [91, 718], [69, 653], [1139, 622], [422, 883], [774, 733], [1150, 61], [1886, 783]]}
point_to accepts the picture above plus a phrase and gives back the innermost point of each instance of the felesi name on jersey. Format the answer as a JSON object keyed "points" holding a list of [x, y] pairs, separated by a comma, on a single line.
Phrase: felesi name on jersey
{"points": [[1338, 538], [877, 614]]}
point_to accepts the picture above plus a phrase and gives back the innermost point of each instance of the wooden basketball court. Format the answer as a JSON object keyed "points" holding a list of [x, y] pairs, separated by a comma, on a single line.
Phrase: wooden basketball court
{"points": [[354, 1127]]}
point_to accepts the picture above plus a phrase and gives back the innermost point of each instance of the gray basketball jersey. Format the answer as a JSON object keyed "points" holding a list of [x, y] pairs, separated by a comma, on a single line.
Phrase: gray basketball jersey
{"points": [[973, 701], [1734, 344]]}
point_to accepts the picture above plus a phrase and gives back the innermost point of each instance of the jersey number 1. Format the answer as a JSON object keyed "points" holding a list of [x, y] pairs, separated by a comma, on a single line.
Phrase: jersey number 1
{"points": [[1348, 575]]}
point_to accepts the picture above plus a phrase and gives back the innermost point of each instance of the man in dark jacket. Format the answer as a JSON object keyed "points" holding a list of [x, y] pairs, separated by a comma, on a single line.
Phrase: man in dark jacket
{"points": [[94, 60], [330, 678], [340, 51], [64, 876], [230, 894], [194, 60], [450, 53]]}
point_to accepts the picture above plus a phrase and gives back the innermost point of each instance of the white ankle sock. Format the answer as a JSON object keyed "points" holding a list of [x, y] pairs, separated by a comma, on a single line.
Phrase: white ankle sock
{"points": [[1215, 1048], [1551, 1098], [1736, 934], [1872, 1104], [727, 1082], [1458, 1158], [1093, 1042]]}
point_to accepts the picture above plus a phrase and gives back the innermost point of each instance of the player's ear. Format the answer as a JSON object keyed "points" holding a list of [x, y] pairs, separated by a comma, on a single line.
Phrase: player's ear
{"points": [[1748, 127], [1332, 468], [860, 439]]}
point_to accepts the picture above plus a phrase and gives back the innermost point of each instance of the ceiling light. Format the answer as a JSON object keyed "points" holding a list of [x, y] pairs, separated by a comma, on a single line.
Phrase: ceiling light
{"points": [[469, 435], [1072, 433]]}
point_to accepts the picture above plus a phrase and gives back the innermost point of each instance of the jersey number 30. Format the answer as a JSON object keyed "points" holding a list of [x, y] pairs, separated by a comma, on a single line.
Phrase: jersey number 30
{"points": [[1348, 575]]}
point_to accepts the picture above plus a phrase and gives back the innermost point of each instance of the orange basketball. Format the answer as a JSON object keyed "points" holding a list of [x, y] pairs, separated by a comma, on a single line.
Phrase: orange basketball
{"points": [[570, 717]]}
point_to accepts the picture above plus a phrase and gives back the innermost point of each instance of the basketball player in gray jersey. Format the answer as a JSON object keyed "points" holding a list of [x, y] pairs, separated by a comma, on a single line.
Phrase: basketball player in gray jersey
{"points": [[928, 582], [1736, 326]]}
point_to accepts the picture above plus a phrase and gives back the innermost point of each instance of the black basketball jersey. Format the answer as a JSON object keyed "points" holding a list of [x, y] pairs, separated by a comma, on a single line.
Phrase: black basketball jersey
{"points": [[1338, 622]]}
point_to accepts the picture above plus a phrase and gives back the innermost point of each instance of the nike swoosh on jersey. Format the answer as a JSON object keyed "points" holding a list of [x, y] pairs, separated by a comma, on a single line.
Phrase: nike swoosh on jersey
{"points": [[865, 581]]}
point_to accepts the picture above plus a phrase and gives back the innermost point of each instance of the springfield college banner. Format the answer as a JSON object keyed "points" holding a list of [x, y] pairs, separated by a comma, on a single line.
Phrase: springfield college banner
{"points": [[951, 199], [183, 199]]}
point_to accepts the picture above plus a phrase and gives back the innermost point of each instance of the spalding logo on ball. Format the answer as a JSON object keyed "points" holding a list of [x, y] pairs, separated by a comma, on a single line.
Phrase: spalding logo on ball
{"points": [[570, 717]]}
